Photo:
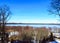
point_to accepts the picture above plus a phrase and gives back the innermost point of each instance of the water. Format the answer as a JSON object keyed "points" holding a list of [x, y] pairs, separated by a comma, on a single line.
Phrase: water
{"points": [[38, 25]]}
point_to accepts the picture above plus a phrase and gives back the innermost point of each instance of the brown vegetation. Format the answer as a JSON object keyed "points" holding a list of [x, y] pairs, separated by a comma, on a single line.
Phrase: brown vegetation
{"points": [[28, 31]]}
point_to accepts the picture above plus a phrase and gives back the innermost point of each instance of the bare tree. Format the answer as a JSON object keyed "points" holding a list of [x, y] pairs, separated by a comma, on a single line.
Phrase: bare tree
{"points": [[4, 14], [55, 7]]}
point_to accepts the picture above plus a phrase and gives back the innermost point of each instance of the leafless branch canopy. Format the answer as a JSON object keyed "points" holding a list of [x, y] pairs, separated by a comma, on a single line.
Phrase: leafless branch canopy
{"points": [[55, 7]]}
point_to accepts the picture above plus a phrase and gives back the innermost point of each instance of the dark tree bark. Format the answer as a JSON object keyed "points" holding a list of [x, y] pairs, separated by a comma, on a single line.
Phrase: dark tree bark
{"points": [[4, 14]]}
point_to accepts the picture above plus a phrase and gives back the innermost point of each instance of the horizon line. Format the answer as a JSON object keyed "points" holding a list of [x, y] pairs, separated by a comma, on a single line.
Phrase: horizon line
{"points": [[36, 23]]}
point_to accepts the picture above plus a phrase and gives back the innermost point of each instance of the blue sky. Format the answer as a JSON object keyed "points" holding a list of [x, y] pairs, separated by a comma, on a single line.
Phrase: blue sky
{"points": [[30, 11]]}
